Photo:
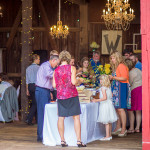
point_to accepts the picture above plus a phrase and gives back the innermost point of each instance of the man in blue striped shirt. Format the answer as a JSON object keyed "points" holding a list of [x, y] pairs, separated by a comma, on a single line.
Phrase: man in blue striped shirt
{"points": [[31, 75]]}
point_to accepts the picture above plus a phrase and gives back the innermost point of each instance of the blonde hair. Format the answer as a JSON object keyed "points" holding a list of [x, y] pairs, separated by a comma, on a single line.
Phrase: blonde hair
{"points": [[72, 57], [119, 60], [83, 60], [65, 56], [54, 52], [105, 80]]}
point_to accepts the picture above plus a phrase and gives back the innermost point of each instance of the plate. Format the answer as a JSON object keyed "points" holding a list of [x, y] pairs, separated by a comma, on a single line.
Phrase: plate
{"points": [[53, 102]]}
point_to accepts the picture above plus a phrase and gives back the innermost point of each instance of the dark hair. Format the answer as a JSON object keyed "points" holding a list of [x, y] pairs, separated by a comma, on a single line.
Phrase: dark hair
{"points": [[4, 76], [34, 57], [127, 51], [54, 57], [84, 59]]}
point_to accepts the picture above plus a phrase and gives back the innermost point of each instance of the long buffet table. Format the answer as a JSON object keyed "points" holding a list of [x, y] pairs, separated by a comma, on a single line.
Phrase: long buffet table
{"points": [[90, 129]]}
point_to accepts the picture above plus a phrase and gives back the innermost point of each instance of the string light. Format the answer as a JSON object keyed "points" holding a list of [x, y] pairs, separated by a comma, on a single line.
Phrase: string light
{"points": [[27, 32]]}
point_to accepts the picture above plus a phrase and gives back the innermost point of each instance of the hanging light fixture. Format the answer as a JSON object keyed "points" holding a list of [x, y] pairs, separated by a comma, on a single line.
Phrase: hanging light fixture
{"points": [[1, 14], [118, 15], [59, 30]]}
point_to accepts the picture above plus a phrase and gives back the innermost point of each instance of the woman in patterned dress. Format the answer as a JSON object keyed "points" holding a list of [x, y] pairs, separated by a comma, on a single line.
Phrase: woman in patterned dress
{"points": [[120, 90]]}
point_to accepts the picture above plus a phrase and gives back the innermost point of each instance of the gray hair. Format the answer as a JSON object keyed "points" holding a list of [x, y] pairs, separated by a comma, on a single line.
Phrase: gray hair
{"points": [[96, 52], [54, 57]]}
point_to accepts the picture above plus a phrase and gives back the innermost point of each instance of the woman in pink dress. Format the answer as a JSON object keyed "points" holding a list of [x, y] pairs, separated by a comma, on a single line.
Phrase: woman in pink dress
{"points": [[135, 79], [64, 79]]}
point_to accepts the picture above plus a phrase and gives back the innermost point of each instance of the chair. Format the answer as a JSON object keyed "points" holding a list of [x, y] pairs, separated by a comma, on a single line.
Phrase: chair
{"points": [[9, 105], [3, 87]]}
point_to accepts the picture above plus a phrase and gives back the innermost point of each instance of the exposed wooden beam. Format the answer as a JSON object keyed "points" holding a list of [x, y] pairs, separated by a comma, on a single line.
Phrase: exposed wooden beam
{"points": [[14, 29], [79, 2], [36, 29], [18, 75], [47, 25]]}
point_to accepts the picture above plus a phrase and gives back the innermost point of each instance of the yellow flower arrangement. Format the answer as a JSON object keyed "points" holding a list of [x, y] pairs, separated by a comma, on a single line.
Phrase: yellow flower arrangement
{"points": [[104, 69], [107, 65], [94, 45], [100, 68]]}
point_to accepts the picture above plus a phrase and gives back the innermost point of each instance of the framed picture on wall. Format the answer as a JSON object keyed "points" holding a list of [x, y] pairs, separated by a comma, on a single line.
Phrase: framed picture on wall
{"points": [[111, 41]]}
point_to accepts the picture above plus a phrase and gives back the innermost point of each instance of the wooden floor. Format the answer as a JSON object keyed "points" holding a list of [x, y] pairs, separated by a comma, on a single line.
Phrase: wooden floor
{"points": [[19, 136]]}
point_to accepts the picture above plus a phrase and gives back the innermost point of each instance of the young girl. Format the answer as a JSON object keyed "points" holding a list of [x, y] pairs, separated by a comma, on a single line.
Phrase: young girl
{"points": [[83, 72], [107, 113]]}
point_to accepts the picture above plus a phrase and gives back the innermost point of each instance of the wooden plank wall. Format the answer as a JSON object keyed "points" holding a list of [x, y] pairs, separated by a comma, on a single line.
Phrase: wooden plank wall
{"points": [[10, 10], [95, 34], [69, 14]]}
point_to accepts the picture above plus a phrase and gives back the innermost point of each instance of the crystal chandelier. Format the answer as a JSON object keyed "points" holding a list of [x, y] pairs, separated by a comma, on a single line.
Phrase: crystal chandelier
{"points": [[118, 15], [59, 30]]}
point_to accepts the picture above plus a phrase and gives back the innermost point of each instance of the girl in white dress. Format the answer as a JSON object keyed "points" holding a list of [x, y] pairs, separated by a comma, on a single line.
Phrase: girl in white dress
{"points": [[107, 113]]}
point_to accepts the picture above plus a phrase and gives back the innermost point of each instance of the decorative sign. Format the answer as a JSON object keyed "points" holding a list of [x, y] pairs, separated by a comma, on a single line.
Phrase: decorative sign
{"points": [[111, 41]]}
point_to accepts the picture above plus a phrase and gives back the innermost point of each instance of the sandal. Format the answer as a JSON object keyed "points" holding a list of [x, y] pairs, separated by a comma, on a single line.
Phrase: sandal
{"points": [[80, 144], [63, 144], [137, 130], [131, 131]]}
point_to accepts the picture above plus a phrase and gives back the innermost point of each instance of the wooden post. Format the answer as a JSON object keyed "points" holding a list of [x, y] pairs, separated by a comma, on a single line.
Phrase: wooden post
{"points": [[145, 32], [84, 30], [26, 51]]}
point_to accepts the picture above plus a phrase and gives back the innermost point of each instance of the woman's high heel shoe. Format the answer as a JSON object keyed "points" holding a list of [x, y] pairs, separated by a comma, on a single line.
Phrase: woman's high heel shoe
{"points": [[123, 134], [116, 132], [80, 144], [63, 144]]}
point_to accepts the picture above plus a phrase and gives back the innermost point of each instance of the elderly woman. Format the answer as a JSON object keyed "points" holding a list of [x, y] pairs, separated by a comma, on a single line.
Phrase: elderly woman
{"points": [[135, 79], [120, 91], [64, 79]]}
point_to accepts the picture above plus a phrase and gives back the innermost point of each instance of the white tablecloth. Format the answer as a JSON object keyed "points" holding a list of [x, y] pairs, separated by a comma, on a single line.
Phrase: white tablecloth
{"points": [[90, 129]]}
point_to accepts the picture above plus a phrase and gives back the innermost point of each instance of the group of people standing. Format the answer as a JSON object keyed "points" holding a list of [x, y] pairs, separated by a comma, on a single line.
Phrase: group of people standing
{"points": [[125, 91], [60, 73], [63, 77]]}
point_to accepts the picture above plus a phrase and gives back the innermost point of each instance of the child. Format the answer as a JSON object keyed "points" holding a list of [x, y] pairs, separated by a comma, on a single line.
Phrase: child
{"points": [[84, 70], [107, 113]]}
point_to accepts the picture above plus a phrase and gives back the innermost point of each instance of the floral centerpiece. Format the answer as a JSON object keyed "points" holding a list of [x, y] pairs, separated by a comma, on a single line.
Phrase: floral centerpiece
{"points": [[104, 69], [94, 45]]}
